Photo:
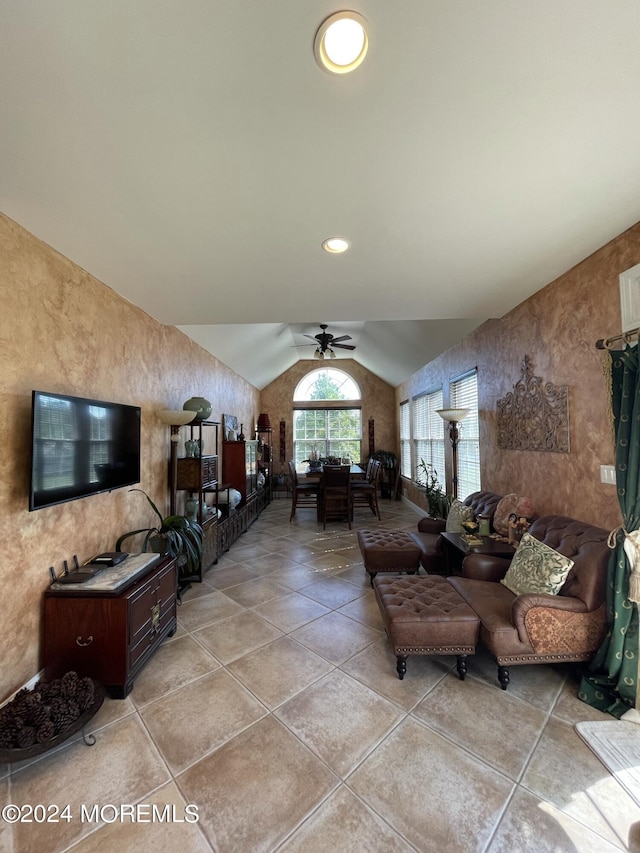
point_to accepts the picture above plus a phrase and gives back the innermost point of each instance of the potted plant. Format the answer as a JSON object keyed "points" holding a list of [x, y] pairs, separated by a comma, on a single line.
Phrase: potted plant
{"points": [[387, 458], [175, 535], [437, 500]]}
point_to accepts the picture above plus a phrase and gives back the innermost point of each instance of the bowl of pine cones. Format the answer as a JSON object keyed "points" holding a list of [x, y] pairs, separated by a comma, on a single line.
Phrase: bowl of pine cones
{"points": [[36, 720]]}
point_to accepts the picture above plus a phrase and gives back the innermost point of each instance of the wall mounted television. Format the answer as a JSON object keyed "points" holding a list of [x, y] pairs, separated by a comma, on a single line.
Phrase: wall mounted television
{"points": [[81, 447]]}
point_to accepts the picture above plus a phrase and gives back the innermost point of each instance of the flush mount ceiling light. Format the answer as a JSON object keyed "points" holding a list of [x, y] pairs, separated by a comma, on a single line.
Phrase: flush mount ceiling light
{"points": [[341, 42], [335, 245]]}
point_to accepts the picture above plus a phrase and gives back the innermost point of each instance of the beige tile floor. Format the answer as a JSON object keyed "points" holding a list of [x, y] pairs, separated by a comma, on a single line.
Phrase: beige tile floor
{"points": [[277, 712]]}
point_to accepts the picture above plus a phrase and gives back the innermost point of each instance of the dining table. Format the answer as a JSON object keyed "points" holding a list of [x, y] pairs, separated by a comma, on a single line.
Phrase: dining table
{"points": [[355, 473]]}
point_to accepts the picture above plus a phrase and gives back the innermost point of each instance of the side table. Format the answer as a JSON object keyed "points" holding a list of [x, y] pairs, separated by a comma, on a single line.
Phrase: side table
{"points": [[457, 548]]}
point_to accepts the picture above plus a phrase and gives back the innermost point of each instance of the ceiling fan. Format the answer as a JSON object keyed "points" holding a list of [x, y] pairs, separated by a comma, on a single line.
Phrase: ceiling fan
{"points": [[325, 343]]}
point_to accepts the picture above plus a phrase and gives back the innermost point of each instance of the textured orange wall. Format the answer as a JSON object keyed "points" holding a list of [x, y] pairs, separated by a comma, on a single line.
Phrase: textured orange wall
{"points": [[557, 328], [62, 330], [377, 403]]}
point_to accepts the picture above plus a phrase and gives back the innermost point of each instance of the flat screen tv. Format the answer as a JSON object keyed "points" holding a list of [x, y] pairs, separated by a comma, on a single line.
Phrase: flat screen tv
{"points": [[81, 447]]}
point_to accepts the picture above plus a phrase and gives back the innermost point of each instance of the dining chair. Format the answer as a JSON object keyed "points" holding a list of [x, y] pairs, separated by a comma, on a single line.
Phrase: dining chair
{"points": [[302, 494], [365, 492], [335, 494]]}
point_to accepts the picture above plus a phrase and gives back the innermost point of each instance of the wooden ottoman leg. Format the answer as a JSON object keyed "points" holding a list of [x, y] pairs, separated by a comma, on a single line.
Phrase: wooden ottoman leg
{"points": [[371, 577], [503, 676], [401, 665], [461, 666]]}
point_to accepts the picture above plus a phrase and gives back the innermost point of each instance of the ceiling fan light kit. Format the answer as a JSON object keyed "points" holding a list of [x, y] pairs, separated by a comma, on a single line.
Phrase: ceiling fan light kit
{"points": [[325, 343]]}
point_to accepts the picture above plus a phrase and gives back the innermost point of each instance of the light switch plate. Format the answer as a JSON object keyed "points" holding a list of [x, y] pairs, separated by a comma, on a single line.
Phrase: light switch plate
{"points": [[608, 474]]}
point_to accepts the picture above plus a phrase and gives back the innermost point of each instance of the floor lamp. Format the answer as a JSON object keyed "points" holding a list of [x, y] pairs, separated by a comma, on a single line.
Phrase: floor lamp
{"points": [[175, 419], [453, 418]]}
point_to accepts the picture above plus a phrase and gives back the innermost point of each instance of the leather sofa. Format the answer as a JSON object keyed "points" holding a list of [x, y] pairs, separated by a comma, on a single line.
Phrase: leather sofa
{"points": [[542, 628], [428, 536]]}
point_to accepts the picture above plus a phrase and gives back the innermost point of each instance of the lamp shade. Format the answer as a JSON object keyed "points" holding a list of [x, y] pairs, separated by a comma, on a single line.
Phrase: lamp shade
{"points": [[453, 415], [175, 417]]}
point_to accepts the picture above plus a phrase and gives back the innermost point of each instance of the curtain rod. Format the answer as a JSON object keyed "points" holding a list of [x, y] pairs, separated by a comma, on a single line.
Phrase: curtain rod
{"points": [[627, 338]]}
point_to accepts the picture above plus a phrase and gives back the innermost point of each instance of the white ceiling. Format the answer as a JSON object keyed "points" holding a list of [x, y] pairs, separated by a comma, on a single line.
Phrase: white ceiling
{"points": [[193, 157]]}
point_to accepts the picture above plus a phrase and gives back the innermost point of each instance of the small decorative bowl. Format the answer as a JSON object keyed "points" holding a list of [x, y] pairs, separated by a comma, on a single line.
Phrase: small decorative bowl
{"points": [[470, 526]]}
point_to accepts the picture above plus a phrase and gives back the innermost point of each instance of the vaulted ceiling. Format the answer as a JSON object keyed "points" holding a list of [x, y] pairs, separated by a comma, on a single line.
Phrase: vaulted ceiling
{"points": [[193, 156]]}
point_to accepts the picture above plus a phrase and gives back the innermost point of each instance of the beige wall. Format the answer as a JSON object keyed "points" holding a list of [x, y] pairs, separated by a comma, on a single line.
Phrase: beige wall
{"points": [[377, 403], [62, 330], [557, 328]]}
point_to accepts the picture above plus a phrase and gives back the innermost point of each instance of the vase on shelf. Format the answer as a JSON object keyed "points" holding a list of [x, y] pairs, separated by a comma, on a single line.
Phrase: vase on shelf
{"points": [[191, 448], [200, 406]]}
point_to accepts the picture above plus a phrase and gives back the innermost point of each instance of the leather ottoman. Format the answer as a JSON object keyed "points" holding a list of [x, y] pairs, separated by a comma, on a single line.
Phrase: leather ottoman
{"points": [[426, 616], [388, 551]]}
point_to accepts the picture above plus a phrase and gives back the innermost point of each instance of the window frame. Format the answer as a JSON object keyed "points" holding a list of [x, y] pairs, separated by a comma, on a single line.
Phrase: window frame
{"points": [[323, 445]]}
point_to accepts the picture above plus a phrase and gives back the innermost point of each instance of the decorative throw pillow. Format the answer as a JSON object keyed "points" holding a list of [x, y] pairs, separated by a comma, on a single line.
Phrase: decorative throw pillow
{"points": [[536, 568], [457, 514], [501, 516]]}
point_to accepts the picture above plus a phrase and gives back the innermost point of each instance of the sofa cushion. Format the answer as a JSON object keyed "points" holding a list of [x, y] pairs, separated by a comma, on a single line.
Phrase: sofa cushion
{"points": [[536, 568], [505, 508], [458, 513]]}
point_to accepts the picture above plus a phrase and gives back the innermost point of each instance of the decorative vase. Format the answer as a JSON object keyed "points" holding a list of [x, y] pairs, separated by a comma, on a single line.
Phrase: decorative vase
{"points": [[484, 525], [191, 448], [191, 508], [200, 406]]}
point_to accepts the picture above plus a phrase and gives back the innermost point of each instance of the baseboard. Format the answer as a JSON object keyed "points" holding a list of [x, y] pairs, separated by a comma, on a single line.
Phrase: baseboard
{"points": [[417, 509]]}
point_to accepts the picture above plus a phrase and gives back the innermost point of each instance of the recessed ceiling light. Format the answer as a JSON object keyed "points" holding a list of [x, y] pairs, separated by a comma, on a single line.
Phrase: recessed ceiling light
{"points": [[341, 42], [335, 245]]}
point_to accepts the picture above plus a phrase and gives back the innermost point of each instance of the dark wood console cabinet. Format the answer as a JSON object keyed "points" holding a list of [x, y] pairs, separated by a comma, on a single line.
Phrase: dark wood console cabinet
{"points": [[110, 636]]}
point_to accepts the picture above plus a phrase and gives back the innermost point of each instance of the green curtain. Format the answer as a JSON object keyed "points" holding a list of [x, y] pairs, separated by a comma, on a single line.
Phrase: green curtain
{"points": [[610, 680]]}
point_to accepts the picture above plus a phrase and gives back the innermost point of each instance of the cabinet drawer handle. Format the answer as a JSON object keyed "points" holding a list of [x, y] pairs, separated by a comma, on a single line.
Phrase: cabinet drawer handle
{"points": [[81, 642], [155, 618]]}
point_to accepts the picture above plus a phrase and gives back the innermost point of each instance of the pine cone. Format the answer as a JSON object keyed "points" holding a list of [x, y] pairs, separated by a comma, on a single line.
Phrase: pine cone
{"points": [[20, 695], [45, 732], [6, 738], [54, 689], [88, 685], [69, 684], [41, 715], [6, 716], [69, 713], [58, 709], [26, 737]]}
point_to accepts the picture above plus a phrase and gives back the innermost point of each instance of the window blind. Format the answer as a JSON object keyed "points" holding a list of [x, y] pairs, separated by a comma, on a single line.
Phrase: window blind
{"points": [[405, 440], [428, 433], [464, 395]]}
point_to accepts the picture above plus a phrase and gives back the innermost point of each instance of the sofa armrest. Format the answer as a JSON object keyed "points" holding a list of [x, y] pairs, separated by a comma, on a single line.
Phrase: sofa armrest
{"points": [[431, 525], [522, 604], [484, 567], [558, 624]]}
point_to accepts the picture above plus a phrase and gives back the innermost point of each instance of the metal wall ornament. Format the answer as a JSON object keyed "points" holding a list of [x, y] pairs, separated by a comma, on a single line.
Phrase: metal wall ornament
{"points": [[535, 415]]}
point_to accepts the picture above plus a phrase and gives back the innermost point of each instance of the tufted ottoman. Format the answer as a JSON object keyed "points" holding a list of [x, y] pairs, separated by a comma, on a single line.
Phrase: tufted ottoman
{"points": [[426, 616], [388, 551]]}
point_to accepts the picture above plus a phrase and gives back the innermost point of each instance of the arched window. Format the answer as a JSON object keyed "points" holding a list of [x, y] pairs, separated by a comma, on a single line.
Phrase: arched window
{"points": [[329, 424], [327, 384]]}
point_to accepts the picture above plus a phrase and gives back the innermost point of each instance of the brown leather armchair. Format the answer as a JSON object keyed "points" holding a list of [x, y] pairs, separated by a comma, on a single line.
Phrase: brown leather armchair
{"points": [[429, 529], [544, 628]]}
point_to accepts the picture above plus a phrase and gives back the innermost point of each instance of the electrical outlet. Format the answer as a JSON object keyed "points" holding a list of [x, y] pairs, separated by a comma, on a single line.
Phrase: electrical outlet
{"points": [[608, 474]]}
